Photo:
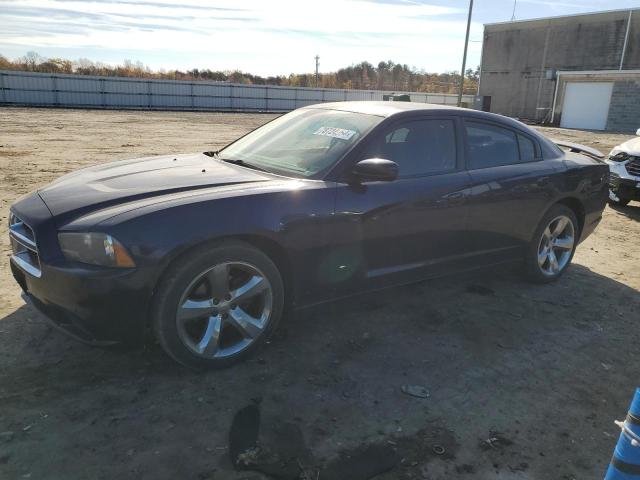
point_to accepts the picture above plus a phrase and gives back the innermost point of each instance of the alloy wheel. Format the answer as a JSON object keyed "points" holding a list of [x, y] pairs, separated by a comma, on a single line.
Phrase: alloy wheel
{"points": [[224, 310], [556, 245]]}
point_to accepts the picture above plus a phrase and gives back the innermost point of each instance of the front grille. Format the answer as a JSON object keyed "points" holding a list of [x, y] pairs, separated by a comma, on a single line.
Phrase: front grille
{"points": [[23, 245], [633, 166]]}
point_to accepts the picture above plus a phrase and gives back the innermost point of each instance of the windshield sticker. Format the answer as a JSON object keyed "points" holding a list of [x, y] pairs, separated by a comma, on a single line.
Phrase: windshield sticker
{"points": [[341, 133]]}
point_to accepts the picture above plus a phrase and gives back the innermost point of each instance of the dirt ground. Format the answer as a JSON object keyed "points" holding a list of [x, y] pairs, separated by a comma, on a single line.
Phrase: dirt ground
{"points": [[524, 381]]}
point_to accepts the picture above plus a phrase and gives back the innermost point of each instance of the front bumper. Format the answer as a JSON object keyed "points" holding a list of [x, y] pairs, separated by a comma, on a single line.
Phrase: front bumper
{"points": [[625, 187], [99, 308], [97, 305], [621, 182]]}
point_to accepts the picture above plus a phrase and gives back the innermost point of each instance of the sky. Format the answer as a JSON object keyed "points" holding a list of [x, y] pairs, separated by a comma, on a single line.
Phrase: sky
{"points": [[266, 37]]}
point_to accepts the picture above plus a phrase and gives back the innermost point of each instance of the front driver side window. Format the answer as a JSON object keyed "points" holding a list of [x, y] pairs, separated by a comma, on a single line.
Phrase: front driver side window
{"points": [[419, 147]]}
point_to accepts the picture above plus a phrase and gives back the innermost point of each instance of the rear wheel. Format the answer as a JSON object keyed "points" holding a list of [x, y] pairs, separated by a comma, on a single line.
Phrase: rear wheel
{"points": [[553, 245], [216, 306]]}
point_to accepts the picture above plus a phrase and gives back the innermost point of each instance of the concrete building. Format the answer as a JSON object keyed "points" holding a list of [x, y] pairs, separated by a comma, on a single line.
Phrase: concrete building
{"points": [[578, 71]]}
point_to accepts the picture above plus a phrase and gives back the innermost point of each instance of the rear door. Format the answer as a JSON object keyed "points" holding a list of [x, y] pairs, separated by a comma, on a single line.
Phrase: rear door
{"points": [[402, 230], [510, 186]]}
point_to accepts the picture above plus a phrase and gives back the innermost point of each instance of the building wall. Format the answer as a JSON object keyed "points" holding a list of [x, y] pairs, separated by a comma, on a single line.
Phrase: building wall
{"points": [[517, 56], [624, 110], [58, 90]]}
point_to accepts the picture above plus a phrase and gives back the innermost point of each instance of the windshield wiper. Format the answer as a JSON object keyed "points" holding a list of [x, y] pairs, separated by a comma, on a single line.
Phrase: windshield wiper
{"points": [[216, 154], [242, 163]]}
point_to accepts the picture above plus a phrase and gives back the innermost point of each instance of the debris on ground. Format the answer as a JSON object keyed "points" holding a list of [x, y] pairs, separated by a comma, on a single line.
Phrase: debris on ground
{"points": [[438, 449], [495, 440], [416, 391]]}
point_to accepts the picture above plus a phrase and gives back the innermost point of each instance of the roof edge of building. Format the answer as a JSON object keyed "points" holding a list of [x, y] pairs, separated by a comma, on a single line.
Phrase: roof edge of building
{"points": [[557, 17], [598, 72]]}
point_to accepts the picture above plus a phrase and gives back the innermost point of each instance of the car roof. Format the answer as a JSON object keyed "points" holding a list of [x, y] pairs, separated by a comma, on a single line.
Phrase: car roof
{"points": [[389, 109], [382, 109]]}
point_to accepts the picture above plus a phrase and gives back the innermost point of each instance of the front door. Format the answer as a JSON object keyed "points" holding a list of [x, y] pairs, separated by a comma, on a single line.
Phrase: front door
{"points": [[390, 232]]}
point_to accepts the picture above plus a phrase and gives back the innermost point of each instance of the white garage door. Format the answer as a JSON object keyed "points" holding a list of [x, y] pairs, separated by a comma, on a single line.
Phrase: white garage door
{"points": [[586, 105]]}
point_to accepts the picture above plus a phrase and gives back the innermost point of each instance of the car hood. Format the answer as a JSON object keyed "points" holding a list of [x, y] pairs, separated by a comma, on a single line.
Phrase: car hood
{"points": [[632, 147], [119, 182]]}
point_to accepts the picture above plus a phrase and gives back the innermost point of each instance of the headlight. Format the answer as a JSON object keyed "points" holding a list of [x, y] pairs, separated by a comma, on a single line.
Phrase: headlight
{"points": [[618, 155], [95, 248]]}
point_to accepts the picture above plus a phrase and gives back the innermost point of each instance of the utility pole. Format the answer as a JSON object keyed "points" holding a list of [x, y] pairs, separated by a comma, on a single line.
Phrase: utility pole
{"points": [[317, 66], [464, 56]]}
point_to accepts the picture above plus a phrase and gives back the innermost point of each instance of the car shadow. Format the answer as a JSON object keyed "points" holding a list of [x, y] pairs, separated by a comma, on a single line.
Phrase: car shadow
{"points": [[494, 352], [632, 210]]}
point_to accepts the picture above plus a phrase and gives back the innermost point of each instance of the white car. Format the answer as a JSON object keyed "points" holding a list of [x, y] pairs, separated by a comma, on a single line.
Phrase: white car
{"points": [[624, 168]]}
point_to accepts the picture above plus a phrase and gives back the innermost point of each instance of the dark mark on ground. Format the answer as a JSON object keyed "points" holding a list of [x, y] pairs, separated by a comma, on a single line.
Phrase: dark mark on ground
{"points": [[480, 290], [278, 449], [243, 435], [361, 464]]}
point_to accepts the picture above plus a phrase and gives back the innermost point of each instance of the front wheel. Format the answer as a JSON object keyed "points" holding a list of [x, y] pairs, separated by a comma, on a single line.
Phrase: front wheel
{"points": [[614, 199], [553, 245], [216, 305]]}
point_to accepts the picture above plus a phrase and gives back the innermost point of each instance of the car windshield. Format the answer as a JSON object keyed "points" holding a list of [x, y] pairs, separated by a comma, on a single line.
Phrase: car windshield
{"points": [[303, 143]]}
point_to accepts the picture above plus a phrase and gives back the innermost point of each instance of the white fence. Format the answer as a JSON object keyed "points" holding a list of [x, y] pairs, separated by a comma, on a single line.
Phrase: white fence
{"points": [[61, 90]]}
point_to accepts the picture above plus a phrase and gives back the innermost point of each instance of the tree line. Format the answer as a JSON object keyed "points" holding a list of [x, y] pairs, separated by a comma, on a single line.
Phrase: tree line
{"points": [[362, 76]]}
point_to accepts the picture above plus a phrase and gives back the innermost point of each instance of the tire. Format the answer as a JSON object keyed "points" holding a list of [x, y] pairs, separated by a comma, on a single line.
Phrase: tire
{"points": [[202, 325], [614, 199], [539, 264]]}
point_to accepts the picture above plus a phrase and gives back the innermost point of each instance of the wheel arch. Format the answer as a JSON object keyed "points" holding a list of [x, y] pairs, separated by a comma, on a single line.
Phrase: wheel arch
{"points": [[271, 248], [576, 207], [572, 203]]}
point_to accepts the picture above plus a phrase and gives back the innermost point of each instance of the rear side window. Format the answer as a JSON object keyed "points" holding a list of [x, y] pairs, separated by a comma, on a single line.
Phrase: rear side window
{"points": [[527, 149], [492, 146], [419, 147]]}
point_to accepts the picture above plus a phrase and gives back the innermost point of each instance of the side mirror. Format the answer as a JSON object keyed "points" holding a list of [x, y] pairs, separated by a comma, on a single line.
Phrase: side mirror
{"points": [[376, 169]]}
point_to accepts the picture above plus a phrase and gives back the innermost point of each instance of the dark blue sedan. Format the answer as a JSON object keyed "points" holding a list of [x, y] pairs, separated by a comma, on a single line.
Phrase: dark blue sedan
{"points": [[206, 251]]}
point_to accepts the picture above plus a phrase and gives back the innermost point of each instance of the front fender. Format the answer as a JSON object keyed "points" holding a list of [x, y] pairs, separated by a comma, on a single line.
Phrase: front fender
{"points": [[297, 220]]}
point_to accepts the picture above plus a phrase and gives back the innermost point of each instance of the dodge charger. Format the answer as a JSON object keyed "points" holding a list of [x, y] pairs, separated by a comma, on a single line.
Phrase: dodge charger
{"points": [[205, 252]]}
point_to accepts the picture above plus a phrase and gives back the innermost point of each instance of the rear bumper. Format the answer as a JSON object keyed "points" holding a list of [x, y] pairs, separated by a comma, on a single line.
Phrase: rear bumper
{"points": [[98, 307]]}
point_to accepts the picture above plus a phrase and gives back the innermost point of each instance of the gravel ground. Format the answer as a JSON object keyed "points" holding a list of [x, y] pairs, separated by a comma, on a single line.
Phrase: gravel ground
{"points": [[525, 381]]}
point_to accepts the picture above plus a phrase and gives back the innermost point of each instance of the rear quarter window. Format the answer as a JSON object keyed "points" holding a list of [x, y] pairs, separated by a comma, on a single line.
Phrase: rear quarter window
{"points": [[527, 149], [490, 145]]}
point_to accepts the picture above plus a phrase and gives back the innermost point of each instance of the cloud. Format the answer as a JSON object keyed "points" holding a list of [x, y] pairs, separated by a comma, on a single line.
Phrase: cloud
{"points": [[156, 4], [264, 37], [558, 5]]}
